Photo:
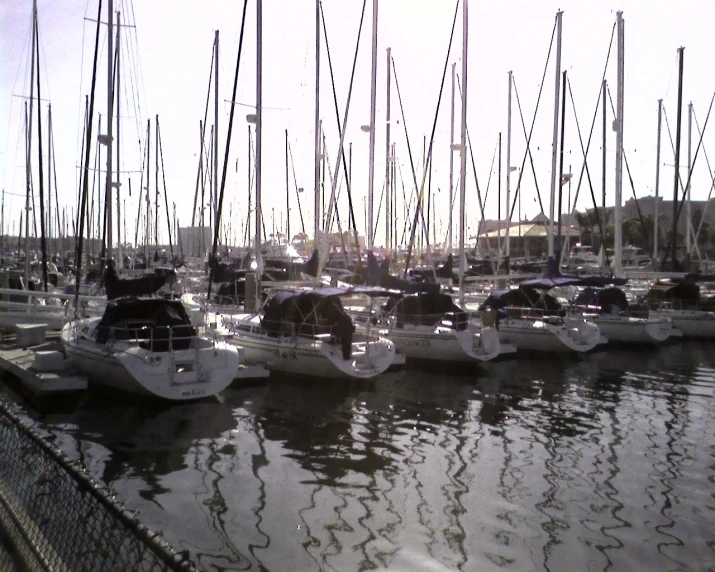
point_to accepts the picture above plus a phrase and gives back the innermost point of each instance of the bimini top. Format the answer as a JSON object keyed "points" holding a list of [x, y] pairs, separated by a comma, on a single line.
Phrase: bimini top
{"points": [[131, 312], [426, 308], [311, 312], [554, 278], [668, 291], [522, 297], [604, 298]]}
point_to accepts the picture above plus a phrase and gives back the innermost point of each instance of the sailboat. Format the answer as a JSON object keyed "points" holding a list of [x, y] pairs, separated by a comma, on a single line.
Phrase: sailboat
{"points": [[308, 332], [142, 345], [535, 321], [149, 346], [430, 326]]}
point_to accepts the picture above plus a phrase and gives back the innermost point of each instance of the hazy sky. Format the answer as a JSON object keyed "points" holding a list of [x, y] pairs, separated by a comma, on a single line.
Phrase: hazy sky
{"points": [[166, 59]]}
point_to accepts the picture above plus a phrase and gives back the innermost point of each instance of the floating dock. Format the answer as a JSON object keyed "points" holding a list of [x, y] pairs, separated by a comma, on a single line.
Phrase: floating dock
{"points": [[40, 368]]}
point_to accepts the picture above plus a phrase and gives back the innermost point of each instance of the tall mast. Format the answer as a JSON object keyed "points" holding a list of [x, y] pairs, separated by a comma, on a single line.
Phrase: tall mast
{"points": [[561, 162], [117, 185], [28, 155], [49, 173], [603, 168], [450, 239], [656, 226], [463, 149], [259, 139], [215, 134], [40, 171], [388, 197], [316, 196], [618, 232], [688, 221], [110, 121], [147, 234], [156, 183], [288, 241], [555, 140], [508, 171], [373, 99]]}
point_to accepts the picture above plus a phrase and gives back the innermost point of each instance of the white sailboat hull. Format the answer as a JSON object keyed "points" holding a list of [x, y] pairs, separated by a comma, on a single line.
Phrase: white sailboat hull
{"points": [[198, 372], [692, 323], [444, 344], [575, 335], [308, 356], [626, 329]]}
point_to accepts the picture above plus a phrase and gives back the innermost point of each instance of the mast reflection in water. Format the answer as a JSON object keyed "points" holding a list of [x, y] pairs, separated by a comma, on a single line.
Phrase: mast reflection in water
{"points": [[604, 462]]}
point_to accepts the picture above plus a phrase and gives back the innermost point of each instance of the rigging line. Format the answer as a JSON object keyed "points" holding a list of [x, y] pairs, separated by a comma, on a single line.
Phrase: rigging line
{"points": [[431, 143], [692, 166], [135, 45], [712, 186], [163, 178], [78, 180], [471, 153], [644, 230], [85, 186], [585, 165], [672, 146], [295, 183], [405, 204], [203, 130], [600, 223], [528, 150], [486, 194], [131, 90], [531, 131], [342, 128], [217, 222], [335, 212], [415, 190]]}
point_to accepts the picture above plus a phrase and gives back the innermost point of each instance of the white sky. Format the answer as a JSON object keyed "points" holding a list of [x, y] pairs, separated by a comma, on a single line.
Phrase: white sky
{"points": [[171, 46]]}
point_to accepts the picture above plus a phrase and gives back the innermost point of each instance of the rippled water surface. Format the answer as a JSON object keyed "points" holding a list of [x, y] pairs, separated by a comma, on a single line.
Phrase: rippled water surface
{"points": [[535, 463]]}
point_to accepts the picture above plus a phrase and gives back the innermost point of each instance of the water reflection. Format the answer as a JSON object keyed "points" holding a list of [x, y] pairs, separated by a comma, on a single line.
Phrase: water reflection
{"points": [[594, 463]]}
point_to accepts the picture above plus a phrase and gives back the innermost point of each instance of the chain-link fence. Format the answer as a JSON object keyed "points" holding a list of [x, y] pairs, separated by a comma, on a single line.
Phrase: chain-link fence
{"points": [[53, 516]]}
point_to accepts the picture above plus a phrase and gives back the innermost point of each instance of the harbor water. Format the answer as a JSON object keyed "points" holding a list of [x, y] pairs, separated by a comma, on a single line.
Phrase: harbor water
{"points": [[599, 462]]}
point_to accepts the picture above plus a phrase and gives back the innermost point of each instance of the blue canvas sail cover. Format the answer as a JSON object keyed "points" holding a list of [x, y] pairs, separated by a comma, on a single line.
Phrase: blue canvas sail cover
{"points": [[555, 278], [522, 297], [604, 298]]}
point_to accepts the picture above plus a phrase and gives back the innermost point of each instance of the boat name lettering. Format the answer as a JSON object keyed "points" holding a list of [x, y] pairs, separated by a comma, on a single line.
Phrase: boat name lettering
{"points": [[291, 354], [193, 393], [413, 343]]}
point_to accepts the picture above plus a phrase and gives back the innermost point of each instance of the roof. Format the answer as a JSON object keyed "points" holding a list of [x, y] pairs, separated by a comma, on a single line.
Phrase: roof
{"points": [[530, 229]]}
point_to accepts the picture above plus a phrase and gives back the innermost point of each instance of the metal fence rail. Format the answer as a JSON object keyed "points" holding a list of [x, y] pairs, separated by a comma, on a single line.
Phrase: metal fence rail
{"points": [[57, 518]]}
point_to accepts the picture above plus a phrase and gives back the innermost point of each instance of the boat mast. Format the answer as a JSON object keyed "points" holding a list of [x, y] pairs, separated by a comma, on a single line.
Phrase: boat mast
{"points": [[618, 231], [450, 239], [259, 139], [388, 196], [463, 149], [603, 170], [43, 240], [110, 121], [657, 187], [28, 156], [117, 185], [688, 221], [373, 99], [555, 140], [288, 241], [508, 173], [215, 135], [316, 195]]}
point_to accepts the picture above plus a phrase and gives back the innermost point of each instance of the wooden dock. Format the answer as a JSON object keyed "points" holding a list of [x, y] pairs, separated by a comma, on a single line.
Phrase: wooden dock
{"points": [[47, 380]]}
